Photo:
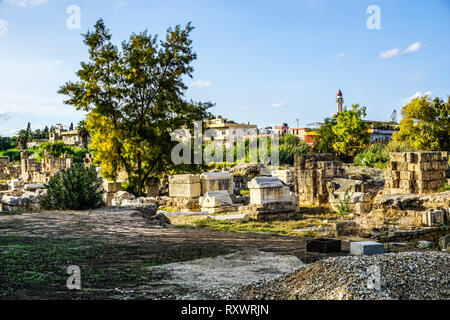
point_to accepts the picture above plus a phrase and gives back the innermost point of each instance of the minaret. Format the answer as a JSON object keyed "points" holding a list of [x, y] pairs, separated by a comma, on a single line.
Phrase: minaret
{"points": [[340, 102]]}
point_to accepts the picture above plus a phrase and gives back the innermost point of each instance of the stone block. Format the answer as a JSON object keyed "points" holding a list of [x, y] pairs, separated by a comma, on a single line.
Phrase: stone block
{"points": [[185, 186], [242, 217], [323, 245], [286, 176], [367, 248], [215, 199], [216, 181]]}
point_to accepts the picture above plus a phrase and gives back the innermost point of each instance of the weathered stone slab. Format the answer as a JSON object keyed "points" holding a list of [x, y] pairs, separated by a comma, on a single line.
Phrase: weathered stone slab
{"points": [[215, 199], [286, 176], [243, 217], [368, 248], [34, 187], [264, 190]]}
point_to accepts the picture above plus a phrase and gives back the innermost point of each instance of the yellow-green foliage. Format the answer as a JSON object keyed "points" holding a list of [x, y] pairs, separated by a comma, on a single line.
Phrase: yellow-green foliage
{"points": [[425, 125]]}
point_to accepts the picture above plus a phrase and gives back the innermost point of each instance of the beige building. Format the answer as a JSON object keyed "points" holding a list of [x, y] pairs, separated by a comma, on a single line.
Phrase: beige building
{"points": [[71, 138], [225, 130]]}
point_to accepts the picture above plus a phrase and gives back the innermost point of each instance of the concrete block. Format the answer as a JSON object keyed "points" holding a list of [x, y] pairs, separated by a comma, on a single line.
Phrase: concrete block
{"points": [[368, 248], [243, 217]]}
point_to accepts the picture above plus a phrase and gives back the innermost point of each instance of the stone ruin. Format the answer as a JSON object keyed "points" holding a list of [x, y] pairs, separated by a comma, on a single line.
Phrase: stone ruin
{"points": [[7, 171], [312, 173], [217, 202], [33, 171], [270, 199], [416, 172], [286, 176], [352, 191], [216, 181]]}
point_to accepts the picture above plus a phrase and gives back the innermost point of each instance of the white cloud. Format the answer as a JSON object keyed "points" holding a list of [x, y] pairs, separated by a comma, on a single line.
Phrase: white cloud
{"points": [[58, 62], [413, 48], [3, 27], [390, 53], [416, 95], [119, 6], [27, 3], [397, 52], [341, 55], [4, 116], [277, 105], [9, 133], [200, 84]]}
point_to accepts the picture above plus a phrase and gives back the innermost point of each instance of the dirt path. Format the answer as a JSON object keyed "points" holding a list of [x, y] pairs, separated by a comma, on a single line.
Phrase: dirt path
{"points": [[114, 249]]}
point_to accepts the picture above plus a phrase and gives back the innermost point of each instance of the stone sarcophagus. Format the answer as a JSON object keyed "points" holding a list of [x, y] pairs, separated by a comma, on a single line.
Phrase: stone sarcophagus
{"points": [[185, 186], [265, 190], [269, 199], [216, 181]]}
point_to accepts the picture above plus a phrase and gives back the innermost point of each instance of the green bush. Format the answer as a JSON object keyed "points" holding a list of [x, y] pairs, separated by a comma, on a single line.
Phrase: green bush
{"points": [[343, 207], [13, 154], [375, 155], [446, 187], [57, 149], [76, 188]]}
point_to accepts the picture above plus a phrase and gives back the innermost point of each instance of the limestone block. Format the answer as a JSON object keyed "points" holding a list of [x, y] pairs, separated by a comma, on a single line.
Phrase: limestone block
{"points": [[111, 186], [185, 186], [286, 176], [216, 181], [215, 199], [243, 217], [367, 248]]}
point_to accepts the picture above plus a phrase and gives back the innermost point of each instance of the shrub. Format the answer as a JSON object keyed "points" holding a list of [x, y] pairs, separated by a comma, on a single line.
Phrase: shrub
{"points": [[446, 187], [57, 149], [76, 188], [375, 155], [13, 154], [343, 207]]}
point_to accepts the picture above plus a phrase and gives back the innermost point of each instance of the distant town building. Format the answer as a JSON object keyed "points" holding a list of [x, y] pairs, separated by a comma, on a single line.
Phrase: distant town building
{"points": [[304, 134], [70, 138], [225, 130], [281, 130]]}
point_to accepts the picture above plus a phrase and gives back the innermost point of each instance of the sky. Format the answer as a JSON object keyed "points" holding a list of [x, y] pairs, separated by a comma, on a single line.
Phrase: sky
{"points": [[263, 62]]}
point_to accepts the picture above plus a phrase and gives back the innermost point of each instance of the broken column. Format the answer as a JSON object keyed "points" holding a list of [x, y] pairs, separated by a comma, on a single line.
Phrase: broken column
{"points": [[269, 200], [312, 172], [416, 172]]}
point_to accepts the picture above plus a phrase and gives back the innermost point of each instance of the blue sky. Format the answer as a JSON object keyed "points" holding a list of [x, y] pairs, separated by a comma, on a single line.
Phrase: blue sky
{"points": [[264, 62]]}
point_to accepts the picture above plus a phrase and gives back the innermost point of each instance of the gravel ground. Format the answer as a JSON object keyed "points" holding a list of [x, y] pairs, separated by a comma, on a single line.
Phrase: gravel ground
{"points": [[219, 277], [404, 276]]}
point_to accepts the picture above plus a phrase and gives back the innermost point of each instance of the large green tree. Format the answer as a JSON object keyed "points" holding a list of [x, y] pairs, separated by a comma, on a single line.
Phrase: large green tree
{"points": [[134, 100], [345, 134], [425, 125]]}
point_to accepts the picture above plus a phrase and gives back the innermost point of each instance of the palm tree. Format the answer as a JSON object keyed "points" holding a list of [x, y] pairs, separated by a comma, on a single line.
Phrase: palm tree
{"points": [[22, 138], [83, 133]]}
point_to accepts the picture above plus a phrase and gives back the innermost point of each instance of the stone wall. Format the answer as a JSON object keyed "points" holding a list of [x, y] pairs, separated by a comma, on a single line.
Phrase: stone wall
{"points": [[312, 172], [416, 172], [216, 181], [354, 190]]}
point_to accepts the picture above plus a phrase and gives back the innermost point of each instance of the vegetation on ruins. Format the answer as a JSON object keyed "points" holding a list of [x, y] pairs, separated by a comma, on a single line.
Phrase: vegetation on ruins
{"points": [[57, 149], [134, 100], [343, 207], [76, 188], [375, 156], [289, 146], [13, 154], [425, 125], [346, 134]]}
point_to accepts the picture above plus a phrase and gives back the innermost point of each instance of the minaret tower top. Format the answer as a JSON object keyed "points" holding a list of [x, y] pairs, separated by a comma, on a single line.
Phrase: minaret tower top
{"points": [[340, 102]]}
